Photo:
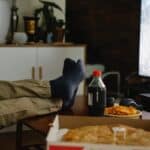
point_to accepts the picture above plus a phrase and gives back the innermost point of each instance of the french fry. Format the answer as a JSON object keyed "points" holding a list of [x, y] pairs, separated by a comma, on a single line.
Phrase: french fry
{"points": [[121, 110]]}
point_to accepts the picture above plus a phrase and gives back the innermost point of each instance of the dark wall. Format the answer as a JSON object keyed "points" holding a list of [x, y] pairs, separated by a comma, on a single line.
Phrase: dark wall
{"points": [[110, 28]]}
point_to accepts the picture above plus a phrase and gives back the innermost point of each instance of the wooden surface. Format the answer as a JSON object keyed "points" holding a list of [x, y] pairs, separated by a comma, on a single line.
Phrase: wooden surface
{"points": [[41, 123], [55, 44]]}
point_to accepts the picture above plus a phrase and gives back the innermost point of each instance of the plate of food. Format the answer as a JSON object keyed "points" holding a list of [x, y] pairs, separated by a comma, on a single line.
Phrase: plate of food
{"points": [[122, 112]]}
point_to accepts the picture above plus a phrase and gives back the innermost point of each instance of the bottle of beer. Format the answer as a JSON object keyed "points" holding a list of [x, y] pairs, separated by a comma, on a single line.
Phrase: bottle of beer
{"points": [[96, 94]]}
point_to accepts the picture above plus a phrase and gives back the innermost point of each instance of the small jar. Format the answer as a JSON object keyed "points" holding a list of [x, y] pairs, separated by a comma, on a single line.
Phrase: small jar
{"points": [[30, 27]]}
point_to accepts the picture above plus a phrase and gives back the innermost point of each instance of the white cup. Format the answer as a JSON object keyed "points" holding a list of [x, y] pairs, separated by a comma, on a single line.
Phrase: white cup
{"points": [[20, 37]]}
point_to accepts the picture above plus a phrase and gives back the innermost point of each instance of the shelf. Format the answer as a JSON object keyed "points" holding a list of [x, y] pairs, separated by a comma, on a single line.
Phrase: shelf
{"points": [[55, 44]]}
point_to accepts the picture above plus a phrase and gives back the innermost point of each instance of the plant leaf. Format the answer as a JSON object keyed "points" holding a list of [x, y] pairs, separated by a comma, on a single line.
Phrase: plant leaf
{"points": [[51, 4], [37, 11]]}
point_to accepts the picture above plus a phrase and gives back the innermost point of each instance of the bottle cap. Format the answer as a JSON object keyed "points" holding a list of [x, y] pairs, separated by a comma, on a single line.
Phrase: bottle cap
{"points": [[97, 73]]}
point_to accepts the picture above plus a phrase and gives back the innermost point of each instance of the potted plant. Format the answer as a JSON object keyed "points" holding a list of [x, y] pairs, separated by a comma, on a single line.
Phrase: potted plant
{"points": [[50, 23]]}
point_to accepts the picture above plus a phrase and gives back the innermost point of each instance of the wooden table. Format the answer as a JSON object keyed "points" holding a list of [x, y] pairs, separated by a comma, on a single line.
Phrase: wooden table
{"points": [[40, 123]]}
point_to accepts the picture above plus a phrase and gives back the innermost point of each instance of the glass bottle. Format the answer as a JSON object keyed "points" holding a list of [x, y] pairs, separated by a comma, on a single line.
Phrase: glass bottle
{"points": [[96, 94]]}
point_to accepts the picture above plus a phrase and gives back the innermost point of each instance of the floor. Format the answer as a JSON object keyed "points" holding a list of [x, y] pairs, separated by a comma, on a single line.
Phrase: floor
{"points": [[7, 140]]}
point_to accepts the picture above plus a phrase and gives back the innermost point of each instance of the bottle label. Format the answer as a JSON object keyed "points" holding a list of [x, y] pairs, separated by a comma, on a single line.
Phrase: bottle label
{"points": [[30, 25], [97, 97], [90, 99]]}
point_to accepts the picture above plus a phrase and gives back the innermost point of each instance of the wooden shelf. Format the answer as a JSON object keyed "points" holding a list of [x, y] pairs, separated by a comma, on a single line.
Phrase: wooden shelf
{"points": [[55, 44]]}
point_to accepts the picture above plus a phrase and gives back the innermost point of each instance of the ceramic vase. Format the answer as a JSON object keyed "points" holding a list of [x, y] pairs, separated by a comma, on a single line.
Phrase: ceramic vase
{"points": [[4, 19], [20, 37]]}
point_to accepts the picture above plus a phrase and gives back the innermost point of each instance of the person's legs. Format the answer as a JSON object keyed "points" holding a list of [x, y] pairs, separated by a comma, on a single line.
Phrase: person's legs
{"points": [[68, 65], [24, 88], [66, 86]]}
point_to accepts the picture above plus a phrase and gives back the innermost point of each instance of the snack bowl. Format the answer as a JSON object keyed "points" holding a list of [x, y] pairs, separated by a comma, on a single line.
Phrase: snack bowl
{"points": [[122, 112], [133, 116]]}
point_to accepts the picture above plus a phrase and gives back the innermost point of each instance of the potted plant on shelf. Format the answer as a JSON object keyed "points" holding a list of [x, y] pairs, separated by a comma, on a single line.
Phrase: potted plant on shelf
{"points": [[50, 24]]}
